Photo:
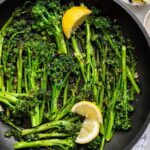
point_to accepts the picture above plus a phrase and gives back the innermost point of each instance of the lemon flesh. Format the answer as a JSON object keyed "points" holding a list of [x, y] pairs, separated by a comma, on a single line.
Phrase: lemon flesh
{"points": [[74, 17], [91, 125], [89, 130], [89, 110]]}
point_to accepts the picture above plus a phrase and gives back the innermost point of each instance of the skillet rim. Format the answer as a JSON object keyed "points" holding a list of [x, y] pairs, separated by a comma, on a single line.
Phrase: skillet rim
{"points": [[1, 1], [147, 38]]}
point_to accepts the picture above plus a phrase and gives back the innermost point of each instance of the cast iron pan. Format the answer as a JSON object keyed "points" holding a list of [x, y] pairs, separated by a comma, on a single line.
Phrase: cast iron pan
{"points": [[133, 29]]}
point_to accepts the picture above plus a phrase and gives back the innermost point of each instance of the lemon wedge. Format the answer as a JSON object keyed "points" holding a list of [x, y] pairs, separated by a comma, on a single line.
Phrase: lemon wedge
{"points": [[91, 125], [74, 17], [89, 131], [89, 110]]}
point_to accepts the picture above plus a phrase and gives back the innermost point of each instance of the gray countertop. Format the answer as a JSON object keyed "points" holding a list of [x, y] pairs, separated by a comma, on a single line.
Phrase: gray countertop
{"points": [[144, 142]]}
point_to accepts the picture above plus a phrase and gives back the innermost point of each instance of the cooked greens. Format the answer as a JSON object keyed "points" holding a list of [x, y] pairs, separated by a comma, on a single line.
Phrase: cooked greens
{"points": [[43, 74]]}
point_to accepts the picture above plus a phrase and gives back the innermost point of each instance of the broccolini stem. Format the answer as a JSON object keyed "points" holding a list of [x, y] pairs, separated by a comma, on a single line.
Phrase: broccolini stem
{"points": [[7, 22], [97, 56], [79, 56], [69, 104], [65, 109], [56, 93], [76, 87], [104, 64], [129, 74], [60, 41], [102, 143], [132, 91], [8, 112], [73, 119], [124, 80], [9, 97], [19, 68], [12, 37], [103, 75], [34, 69], [111, 111], [65, 94], [29, 66], [133, 70], [35, 119], [88, 52], [9, 84], [15, 95], [13, 125], [112, 44], [55, 124], [132, 80], [55, 96], [2, 87], [29, 58], [2, 35], [42, 108], [110, 125], [44, 88], [26, 81], [95, 78], [101, 97], [91, 53], [44, 79], [7, 120], [5, 101], [45, 143], [52, 135]]}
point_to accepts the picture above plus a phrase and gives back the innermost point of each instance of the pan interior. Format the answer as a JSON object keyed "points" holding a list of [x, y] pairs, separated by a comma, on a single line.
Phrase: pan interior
{"points": [[140, 117]]}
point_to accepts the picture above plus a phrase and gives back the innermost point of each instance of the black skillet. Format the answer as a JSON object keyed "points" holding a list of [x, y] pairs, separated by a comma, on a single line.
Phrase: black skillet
{"points": [[133, 29]]}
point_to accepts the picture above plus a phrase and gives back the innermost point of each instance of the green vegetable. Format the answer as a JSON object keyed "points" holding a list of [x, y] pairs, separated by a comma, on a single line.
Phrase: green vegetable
{"points": [[64, 125], [43, 74], [63, 144], [51, 21]]}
